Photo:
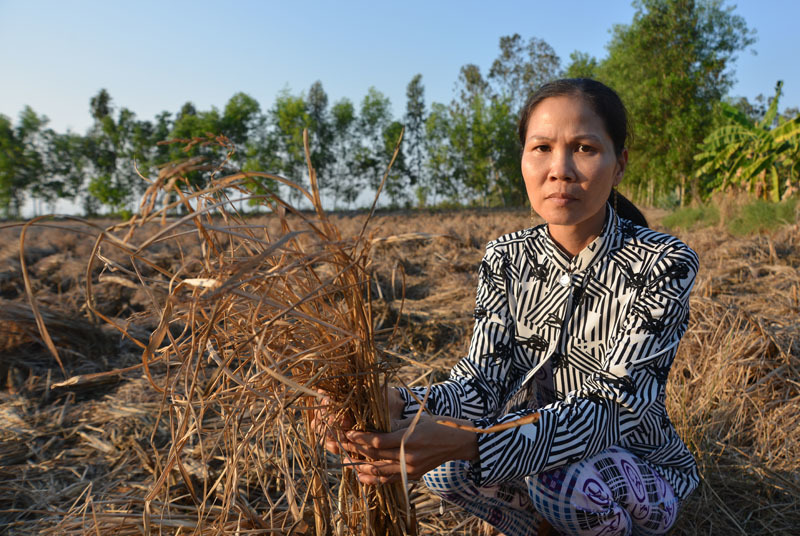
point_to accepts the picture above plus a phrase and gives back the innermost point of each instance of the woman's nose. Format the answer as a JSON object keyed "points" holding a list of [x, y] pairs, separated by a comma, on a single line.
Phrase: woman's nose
{"points": [[562, 166]]}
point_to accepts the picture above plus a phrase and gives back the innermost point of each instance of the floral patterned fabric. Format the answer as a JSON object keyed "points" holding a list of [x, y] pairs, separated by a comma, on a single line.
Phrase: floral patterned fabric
{"points": [[613, 493]]}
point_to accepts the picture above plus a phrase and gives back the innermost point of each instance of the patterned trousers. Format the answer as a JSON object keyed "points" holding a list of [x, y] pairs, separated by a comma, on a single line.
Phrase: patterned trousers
{"points": [[612, 493]]}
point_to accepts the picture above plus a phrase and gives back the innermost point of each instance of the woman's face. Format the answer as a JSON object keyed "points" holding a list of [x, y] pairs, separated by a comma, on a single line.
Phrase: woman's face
{"points": [[569, 164]]}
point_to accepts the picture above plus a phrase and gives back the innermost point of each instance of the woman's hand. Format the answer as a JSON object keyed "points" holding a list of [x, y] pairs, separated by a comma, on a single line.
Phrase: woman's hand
{"points": [[395, 402], [327, 422], [429, 446]]}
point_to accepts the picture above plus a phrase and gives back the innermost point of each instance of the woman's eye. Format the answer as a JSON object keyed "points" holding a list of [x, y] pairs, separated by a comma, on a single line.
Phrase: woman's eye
{"points": [[541, 148], [583, 148]]}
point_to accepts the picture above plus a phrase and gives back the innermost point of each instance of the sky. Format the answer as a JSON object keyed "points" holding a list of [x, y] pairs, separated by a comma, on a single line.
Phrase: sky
{"points": [[156, 55]]}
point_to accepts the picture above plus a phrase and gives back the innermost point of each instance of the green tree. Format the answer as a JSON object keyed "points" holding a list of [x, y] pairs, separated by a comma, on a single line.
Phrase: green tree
{"points": [[440, 164], [371, 156], [414, 138], [344, 184], [521, 68], [760, 157], [65, 165], [244, 124], [287, 120], [484, 153], [23, 161], [162, 128], [320, 134], [670, 66], [581, 65], [13, 177], [398, 185], [115, 147], [241, 116], [191, 123]]}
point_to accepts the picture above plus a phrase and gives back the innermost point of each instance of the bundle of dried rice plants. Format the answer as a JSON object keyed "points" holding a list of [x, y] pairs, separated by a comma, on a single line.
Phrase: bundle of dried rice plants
{"points": [[248, 336]]}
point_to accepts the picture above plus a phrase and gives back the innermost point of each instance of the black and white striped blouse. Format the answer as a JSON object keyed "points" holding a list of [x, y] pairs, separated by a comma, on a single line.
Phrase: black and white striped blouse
{"points": [[588, 341]]}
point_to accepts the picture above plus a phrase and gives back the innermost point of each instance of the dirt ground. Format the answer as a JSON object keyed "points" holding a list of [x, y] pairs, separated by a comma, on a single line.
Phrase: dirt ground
{"points": [[67, 450]]}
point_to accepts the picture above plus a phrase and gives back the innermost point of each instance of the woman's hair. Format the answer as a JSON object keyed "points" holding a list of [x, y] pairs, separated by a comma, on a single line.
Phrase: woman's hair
{"points": [[606, 103]]}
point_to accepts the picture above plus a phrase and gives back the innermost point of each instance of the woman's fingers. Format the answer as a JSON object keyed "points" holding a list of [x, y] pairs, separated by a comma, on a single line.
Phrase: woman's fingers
{"points": [[384, 471], [381, 440], [329, 423], [390, 454]]}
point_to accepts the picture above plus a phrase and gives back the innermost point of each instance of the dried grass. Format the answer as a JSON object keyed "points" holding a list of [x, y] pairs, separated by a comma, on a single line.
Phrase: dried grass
{"points": [[734, 393], [212, 435]]}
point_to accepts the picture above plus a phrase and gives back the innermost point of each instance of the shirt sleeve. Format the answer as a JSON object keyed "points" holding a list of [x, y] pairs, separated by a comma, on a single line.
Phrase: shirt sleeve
{"points": [[481, 380], [614, 399]]}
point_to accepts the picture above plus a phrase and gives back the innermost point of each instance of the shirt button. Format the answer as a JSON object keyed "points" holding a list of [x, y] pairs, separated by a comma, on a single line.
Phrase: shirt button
{"points": [[565, 280]]}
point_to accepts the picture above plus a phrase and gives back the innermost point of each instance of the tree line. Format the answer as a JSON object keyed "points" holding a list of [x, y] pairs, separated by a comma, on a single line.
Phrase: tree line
{"points": [[672, 65]]}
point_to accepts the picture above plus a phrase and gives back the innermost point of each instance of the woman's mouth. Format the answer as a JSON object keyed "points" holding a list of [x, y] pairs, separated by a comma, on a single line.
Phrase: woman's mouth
{"points": [[561, 199]]}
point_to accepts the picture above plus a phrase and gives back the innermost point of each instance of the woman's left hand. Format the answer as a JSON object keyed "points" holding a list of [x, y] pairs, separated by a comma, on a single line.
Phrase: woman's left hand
{"points": [[428, 446]]}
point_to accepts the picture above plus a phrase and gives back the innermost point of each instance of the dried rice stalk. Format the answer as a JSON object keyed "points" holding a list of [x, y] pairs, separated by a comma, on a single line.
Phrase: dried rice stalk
{"points": [[249, 335]]}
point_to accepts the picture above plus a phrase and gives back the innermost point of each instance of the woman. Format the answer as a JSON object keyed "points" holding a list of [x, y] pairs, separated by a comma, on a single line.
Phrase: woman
{"points": [[578, 319]]}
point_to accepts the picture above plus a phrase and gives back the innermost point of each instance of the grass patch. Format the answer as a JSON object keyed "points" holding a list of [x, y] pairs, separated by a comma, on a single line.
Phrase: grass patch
{"points": [[691, 217], [758, 216], [751, 217]]}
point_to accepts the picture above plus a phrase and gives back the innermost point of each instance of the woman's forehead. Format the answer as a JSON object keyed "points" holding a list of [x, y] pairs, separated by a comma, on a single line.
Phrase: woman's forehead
{"points": [[565, 114]]}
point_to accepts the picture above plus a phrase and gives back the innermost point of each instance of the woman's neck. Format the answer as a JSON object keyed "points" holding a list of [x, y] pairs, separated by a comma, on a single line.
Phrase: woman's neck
{"points": [[572, 239]]}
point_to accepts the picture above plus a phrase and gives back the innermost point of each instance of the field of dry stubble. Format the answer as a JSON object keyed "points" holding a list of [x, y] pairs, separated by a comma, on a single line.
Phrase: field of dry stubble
{"points": [[80, 457]]}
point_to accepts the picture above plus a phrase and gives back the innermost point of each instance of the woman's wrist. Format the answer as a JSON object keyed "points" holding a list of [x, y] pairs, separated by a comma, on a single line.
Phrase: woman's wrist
{"points": [[396, 398], [466, 442]]}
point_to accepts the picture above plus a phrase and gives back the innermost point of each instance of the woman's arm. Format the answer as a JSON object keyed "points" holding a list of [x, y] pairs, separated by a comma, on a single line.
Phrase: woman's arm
{"points": [[480, 381]]}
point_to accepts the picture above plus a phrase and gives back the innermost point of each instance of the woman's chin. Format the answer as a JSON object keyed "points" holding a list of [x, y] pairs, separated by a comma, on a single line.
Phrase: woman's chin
{"points": [[561, 216]]}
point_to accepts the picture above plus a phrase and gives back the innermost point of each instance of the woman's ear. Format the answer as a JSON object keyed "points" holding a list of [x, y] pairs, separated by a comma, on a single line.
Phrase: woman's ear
{"points": [[622, 163]]}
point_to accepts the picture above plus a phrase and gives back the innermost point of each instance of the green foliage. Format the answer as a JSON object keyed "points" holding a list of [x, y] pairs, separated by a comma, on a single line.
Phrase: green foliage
{"points": [[372, 154], [287, 119], [414, 139], [11, 180], [473, 152], [759, 216], [22, 159], [398, 187], [670, 66], [115, 148], [743, 219], [581, 65], [440, 163], [521, 68], [190, 123], [242, 115], [758, 157], [65, 164], [320, 132], [691, 217], [345, 183]]}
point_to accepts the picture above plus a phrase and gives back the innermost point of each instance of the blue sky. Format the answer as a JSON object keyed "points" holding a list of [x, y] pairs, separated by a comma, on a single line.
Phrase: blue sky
{"points": [[156, 55]]}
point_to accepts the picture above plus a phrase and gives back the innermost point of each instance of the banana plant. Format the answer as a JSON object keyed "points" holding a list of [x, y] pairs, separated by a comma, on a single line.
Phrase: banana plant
{"points": [[754, 156]]}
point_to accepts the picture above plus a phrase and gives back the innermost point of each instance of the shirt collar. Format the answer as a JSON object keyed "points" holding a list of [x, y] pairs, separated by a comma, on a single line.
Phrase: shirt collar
{"points": [[610, 238]]}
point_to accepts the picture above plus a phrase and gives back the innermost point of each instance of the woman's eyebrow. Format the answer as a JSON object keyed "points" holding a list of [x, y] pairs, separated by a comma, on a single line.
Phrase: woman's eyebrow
{"points": [[538, 137], [581, 136], [588, 136]]}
